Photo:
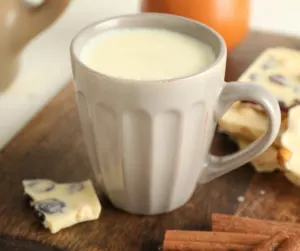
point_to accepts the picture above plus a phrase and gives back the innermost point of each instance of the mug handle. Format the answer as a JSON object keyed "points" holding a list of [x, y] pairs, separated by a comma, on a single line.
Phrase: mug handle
{"points": [[232, 92]]}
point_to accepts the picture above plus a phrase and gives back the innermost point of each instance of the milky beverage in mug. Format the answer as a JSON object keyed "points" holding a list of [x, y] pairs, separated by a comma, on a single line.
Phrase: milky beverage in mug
{"points": [[150, 89], [146, 54]]}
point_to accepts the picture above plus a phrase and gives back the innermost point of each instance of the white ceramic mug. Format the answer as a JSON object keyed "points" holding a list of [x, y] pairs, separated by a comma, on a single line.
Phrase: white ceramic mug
{"points": [[149, 142]]}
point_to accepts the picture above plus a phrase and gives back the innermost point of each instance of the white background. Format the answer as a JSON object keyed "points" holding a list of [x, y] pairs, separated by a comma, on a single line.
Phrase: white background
{"points": [[45, 67], [276, 15]]}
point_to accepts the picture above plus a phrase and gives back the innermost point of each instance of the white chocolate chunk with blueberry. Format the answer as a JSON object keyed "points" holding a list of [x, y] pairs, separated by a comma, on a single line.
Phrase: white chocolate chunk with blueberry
{"points": [[290, 140], [59, 206], [278, 70]]}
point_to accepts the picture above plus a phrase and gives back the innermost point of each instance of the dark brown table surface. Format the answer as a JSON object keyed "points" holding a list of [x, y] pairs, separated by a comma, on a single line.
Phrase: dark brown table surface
{"points": [[51, 146]]}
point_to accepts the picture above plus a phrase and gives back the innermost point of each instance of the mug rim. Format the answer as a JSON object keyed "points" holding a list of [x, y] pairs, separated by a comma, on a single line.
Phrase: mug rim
{"points": [[219, 57]]}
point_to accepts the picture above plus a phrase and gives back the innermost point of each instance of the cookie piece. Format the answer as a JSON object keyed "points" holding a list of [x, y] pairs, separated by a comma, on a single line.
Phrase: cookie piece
{"points": [[242, 121], [284, 156], [59, 206], [267, 162], [290, 141]]}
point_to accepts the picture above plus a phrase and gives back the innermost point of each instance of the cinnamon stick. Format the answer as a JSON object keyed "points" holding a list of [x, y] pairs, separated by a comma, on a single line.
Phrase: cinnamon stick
{"points": [[203, 246], [236, 224], [272, 243], [92, 249], [290, 244], [214, 237]]}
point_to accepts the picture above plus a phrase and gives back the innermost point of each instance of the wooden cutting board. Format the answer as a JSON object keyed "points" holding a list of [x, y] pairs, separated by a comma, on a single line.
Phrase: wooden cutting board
{"points": [[280, 199], [51, 146]]}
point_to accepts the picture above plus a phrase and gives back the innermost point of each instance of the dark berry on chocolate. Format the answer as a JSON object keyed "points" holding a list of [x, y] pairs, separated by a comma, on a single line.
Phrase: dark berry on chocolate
{"points": [[75, 188], [39, 215], [41, 186], [297, 89], [49, 206], [253, 77], [269, 64], [278, 79]]}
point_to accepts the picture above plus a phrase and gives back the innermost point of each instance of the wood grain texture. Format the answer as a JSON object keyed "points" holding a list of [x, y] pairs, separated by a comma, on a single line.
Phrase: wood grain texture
{"points": [[9, 243], [51, 146], [280, 201]]}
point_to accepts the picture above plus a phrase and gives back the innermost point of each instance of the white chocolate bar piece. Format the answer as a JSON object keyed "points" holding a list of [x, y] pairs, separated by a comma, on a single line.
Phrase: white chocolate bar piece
{"points": [[290, 140], [59, 206], [277, 69]]}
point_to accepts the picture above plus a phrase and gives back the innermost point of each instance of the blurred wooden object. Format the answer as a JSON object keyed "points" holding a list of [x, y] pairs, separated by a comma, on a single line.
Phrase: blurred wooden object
{"points": [[20, 22]]}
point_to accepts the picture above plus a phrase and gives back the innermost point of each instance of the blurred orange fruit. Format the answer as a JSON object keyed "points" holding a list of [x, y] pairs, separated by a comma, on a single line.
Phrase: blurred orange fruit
{"points": [[229, 18]]}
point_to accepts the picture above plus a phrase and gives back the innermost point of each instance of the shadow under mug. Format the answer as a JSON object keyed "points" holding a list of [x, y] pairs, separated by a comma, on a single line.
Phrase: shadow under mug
{"points": [[148, 141]]}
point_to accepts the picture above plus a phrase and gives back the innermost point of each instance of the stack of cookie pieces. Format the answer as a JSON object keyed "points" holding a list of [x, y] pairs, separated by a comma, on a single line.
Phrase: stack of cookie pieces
{"points": [[278, 70]]}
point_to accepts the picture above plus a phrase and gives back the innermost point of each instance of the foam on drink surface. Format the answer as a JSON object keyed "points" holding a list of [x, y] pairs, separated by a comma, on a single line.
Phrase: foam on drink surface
{"points": [[146, 54]]}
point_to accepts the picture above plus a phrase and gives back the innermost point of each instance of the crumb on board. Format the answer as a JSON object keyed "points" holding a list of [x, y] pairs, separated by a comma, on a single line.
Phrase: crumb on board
{"points": [[262, 192], [241, 199]]}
